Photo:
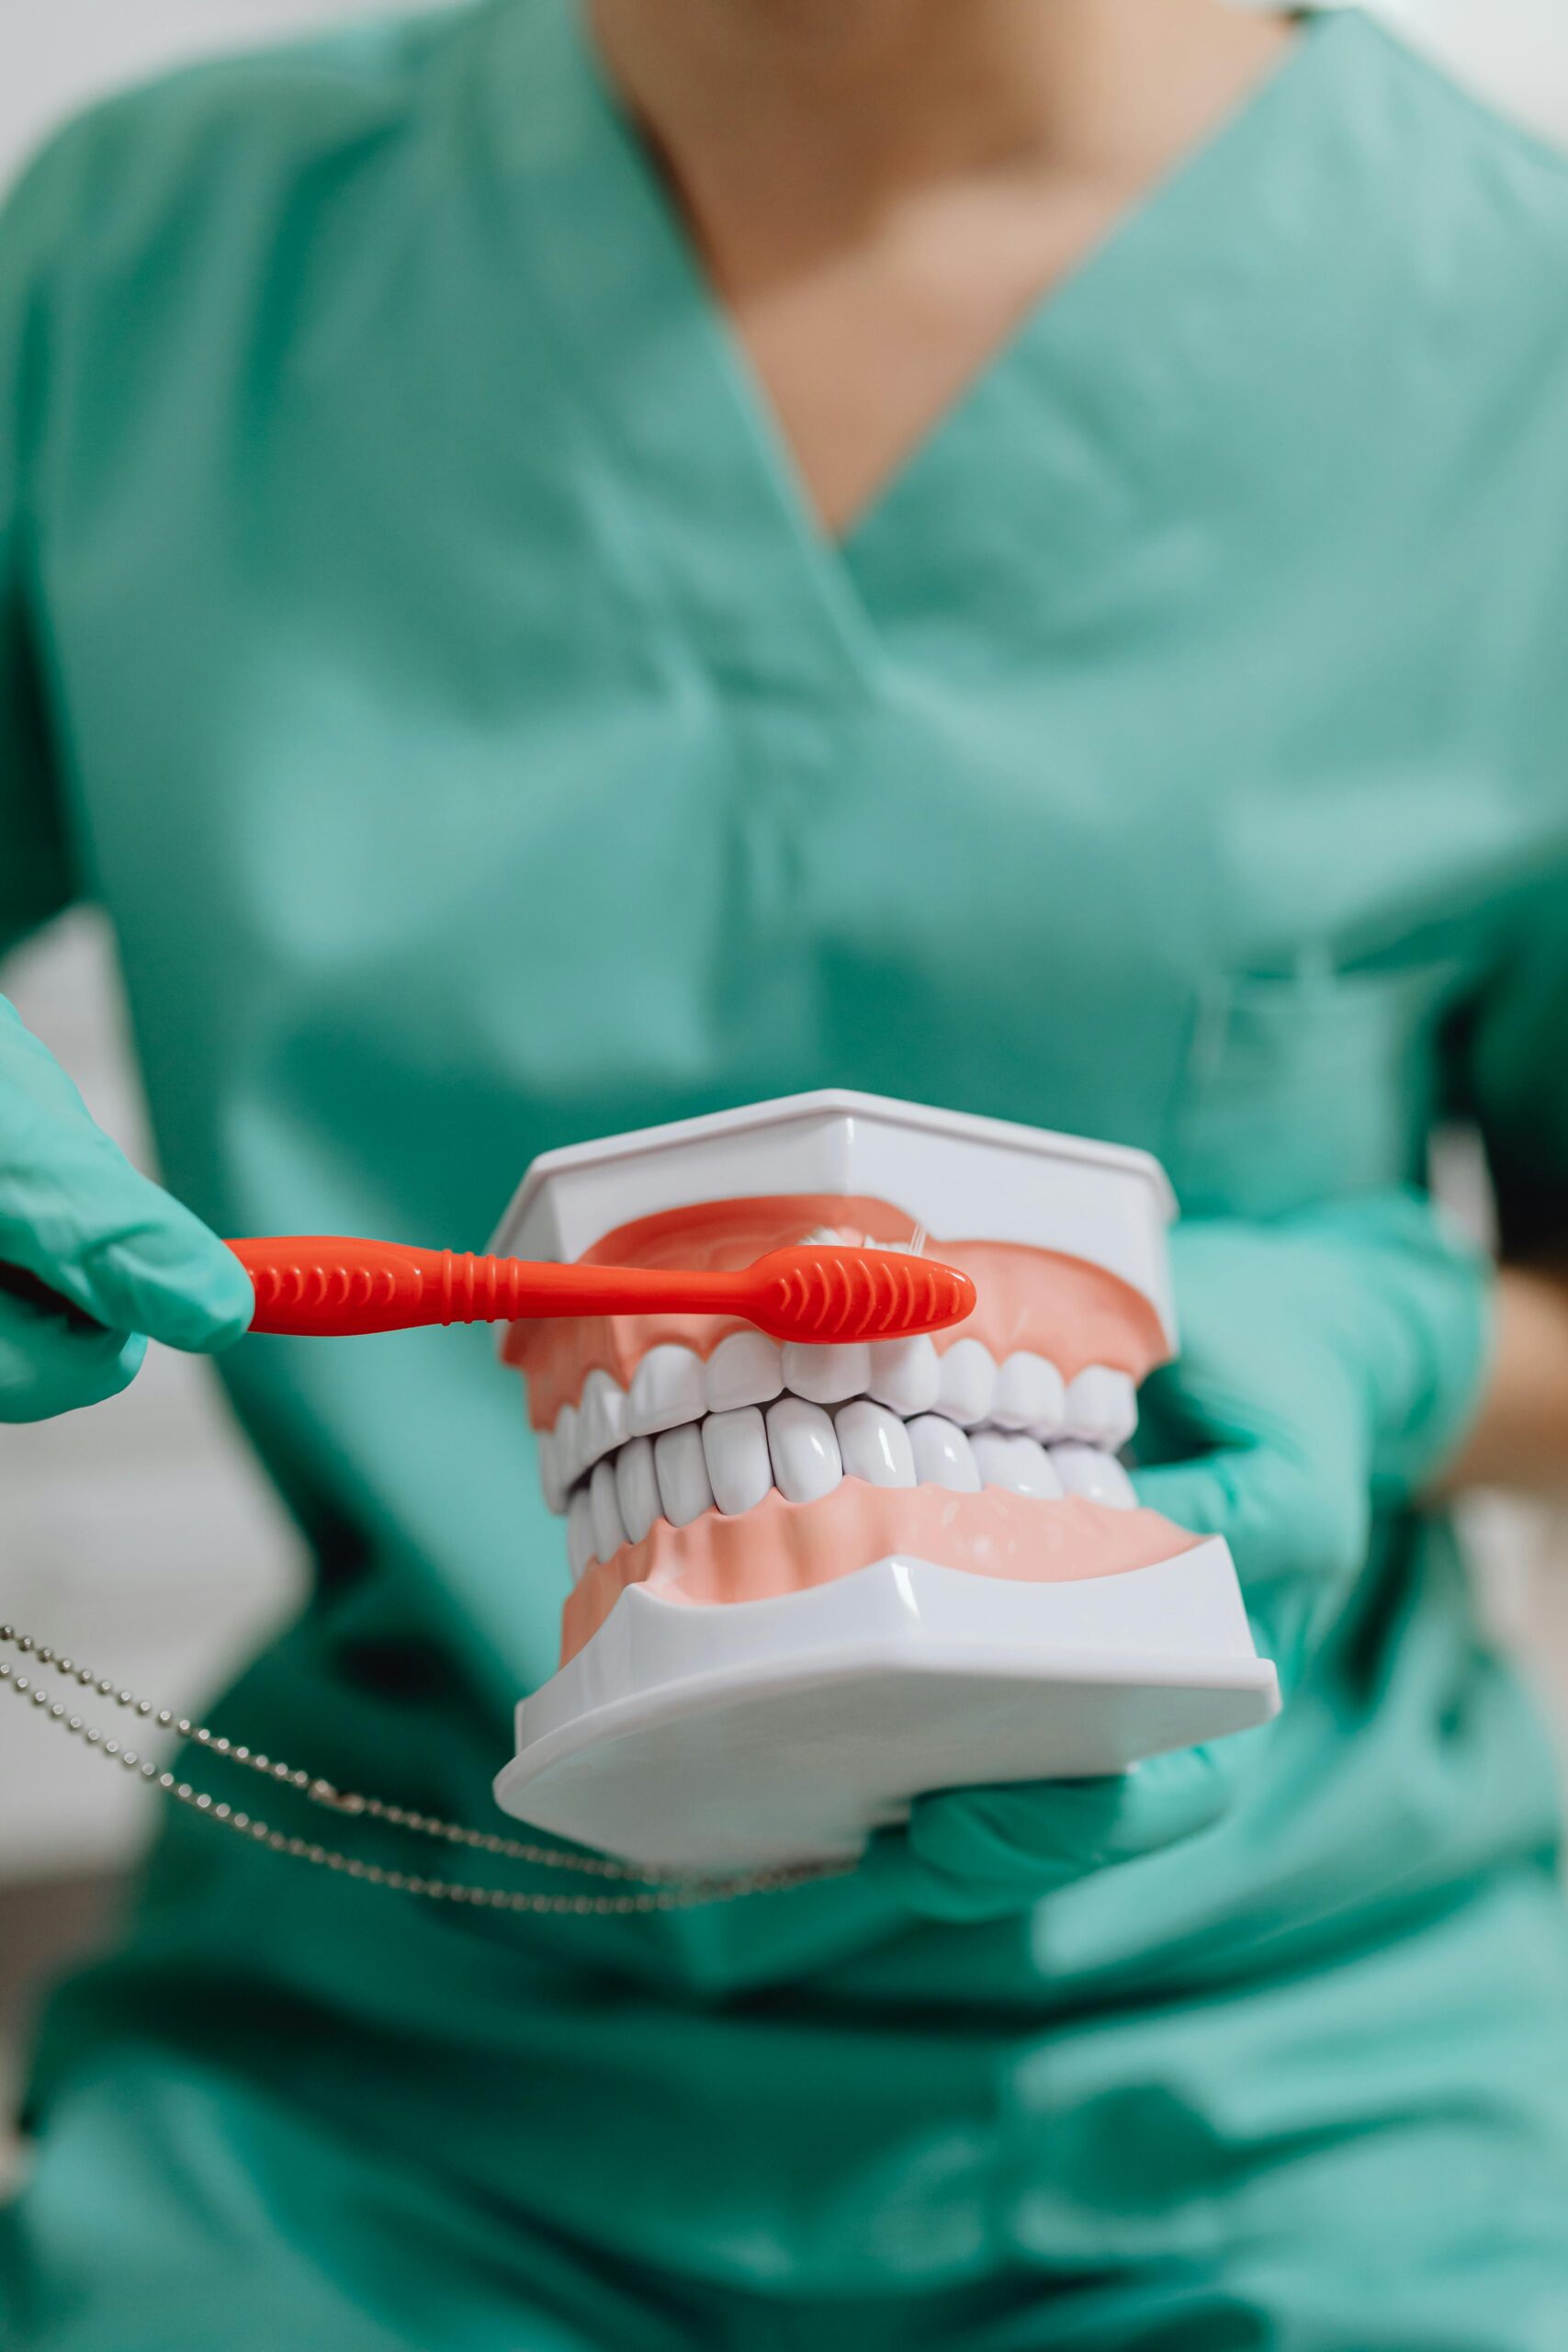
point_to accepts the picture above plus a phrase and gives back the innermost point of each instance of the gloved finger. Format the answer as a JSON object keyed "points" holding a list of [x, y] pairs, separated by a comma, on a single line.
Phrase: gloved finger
{"points": [[54, 1363], [1297, 1540], [1283, 1520], [988, 1853], [75, 1212], [1180, 1416], [1212, 1495]]}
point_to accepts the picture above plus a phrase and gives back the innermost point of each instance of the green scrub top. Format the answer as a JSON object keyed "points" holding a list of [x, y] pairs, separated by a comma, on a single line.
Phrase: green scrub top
{"points": [[414, 635]]}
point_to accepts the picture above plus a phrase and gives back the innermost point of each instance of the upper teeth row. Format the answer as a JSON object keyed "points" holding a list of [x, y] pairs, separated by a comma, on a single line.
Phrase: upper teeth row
{"points": [[1024, 1395], [727, 1462]]}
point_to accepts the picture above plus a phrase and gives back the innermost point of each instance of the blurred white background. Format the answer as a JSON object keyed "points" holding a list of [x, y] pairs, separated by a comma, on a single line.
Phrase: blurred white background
{"points": [[139, 1535]]}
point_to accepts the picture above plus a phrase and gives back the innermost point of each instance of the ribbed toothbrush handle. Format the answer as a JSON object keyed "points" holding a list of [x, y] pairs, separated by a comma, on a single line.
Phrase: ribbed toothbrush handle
{"points": [[326, 1287]]}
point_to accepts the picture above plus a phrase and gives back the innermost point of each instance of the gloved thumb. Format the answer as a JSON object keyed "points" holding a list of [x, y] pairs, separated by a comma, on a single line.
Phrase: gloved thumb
{"points": [[988, 1853], [1296, 1540], [75, 1214], [1283, 1523]]}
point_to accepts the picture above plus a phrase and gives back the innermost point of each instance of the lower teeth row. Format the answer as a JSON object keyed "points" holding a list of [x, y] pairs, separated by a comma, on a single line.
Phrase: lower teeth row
{"points": [[730, 1461]]}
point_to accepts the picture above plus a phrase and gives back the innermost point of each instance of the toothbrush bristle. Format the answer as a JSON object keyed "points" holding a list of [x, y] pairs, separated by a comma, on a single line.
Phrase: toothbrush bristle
{"points": [[836, 1295]]}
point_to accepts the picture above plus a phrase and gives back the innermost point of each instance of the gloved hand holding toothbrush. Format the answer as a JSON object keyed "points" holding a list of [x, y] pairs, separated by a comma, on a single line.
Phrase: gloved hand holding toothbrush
{"points": [[1331, 1364], [77, 1218]]}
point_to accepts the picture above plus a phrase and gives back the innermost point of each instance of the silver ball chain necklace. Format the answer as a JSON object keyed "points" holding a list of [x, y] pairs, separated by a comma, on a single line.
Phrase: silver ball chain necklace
{"points": [[641, 1894]]}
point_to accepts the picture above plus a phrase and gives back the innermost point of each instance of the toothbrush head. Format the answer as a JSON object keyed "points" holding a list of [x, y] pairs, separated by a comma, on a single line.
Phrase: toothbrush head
{"points": [[826, 1297]]}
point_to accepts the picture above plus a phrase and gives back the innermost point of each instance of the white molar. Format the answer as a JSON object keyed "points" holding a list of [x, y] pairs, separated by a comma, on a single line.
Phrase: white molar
{"points": [[1101, 1408], [966, 1384], [637, 1487], [1019, 1463], [580, 1534], [804, 1447], [739, 1468], [669, 1386], [874, 1444], [905, 1374], [1098, 1477], [685, 1488], [608, 1533], [745, 1369], [943, 1455], [550, 1478], [1030, 1394], [568, 1464], [600, 1417], [826, 1375]]}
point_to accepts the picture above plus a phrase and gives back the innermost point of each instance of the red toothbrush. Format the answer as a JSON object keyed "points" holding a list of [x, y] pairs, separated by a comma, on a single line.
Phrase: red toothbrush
{"points": [[320, 1286]]}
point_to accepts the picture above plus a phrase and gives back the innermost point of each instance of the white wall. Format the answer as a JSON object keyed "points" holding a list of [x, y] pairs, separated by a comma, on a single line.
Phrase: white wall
{"points": [[137, 1535], [55, 53], [1515, 51]]}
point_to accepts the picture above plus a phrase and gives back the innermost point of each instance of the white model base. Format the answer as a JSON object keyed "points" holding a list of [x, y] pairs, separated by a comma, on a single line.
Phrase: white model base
{"points": [[687, 1739]]}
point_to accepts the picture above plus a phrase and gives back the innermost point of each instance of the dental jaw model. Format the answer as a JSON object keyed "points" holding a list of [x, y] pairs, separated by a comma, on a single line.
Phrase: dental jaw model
{"points": [[810, 1583]]}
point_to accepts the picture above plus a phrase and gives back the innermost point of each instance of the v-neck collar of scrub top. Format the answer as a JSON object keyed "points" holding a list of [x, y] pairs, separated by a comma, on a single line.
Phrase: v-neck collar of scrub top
{"points": [[667, 389]]}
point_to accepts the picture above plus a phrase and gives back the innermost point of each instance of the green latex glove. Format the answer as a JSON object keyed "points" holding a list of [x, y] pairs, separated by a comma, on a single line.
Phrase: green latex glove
{"points": [[1330, 1366], [77, 1215]]}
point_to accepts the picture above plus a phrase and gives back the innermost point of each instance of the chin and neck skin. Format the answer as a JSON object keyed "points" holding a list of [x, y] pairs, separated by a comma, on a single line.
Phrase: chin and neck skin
{"points": [[880, 191], [833, 108]]}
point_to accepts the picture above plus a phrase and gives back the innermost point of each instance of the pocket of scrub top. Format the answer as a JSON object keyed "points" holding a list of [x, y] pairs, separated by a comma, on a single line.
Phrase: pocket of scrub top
{"points": [[1302, 1086]]}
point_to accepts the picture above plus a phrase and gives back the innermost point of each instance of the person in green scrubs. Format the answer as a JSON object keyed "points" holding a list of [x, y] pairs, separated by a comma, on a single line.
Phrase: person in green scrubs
{"points": [[566, 568]]}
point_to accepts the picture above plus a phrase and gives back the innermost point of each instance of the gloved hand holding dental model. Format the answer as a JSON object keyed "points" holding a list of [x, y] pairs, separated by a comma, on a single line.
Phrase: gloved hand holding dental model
{"points": [[78, 1218], [1329, 1366]]}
